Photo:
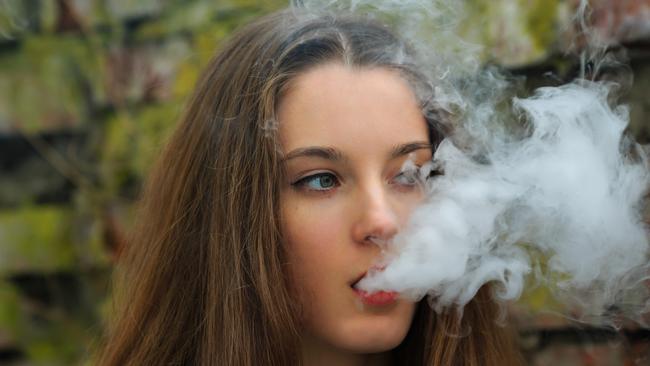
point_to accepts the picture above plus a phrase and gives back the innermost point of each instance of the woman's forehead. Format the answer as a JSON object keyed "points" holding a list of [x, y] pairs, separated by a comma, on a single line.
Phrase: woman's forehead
{"points": [[338, 105]]}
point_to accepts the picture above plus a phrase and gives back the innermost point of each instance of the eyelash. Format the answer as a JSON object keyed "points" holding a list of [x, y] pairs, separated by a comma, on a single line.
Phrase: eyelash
{"points": [[410, 176], [303, 183]]}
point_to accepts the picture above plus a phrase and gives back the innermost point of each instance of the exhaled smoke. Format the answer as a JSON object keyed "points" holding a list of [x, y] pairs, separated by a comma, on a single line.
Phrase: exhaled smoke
{"points": [[558, 198], [566, 192]]}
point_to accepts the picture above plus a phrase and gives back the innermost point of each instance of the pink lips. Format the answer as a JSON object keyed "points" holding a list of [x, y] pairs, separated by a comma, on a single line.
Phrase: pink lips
{"points": [[378, 298]]}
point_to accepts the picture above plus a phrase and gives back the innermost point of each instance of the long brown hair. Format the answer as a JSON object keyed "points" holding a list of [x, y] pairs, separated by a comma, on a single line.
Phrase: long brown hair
{"points": [[203, 278]]}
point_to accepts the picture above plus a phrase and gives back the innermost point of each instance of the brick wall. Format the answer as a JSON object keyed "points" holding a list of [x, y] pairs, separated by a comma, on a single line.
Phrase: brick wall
{"points": [[89, 91]]}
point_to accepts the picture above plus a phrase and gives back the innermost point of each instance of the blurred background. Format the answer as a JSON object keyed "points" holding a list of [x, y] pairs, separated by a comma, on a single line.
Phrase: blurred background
{"points": [[89, 90]]}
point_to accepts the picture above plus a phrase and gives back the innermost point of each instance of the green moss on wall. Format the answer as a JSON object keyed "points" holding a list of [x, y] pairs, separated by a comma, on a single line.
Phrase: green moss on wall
{"points": [[539, 296], [133, 140], [48, 84], [12, 319], [47, 335], [36, 239], [514, 32], [542, 19]]}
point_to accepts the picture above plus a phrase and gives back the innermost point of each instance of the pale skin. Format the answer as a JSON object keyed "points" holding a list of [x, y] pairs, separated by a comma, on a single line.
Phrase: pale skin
{"points": [[345, 134]]}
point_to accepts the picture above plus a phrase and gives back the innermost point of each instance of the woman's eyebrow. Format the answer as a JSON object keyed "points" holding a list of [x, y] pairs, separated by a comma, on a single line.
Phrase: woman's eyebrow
{"points": [[330, 153], [327, 153], [407, 148]]}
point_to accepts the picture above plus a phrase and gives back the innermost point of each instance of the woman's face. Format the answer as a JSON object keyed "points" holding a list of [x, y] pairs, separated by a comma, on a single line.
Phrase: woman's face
{"points": [[346, 135]]}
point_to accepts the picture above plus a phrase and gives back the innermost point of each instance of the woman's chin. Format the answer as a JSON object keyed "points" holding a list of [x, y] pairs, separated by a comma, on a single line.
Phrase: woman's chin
{"points": [[375, 343], [376, 333]]}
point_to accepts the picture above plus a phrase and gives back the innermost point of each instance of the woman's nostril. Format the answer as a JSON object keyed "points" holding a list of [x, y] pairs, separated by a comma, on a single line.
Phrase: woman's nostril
{"points": [[377, 240]]}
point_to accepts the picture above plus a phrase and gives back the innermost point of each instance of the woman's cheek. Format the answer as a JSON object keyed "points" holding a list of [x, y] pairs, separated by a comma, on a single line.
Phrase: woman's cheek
{"points": [[313, 227], [309, 214], [405, 203]]}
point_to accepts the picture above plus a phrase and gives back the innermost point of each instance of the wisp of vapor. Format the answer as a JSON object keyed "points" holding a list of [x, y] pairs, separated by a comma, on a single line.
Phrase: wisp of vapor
{"points": [[556, 201]]}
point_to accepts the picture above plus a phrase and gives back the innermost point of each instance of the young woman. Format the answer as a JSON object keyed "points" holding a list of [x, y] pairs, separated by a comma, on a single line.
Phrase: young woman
{"points": [[268, 205]]}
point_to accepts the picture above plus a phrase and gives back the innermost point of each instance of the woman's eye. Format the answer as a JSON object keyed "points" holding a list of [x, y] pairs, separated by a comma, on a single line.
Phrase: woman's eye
{"points": [[417, 175], [407, 178], [318, 182]]}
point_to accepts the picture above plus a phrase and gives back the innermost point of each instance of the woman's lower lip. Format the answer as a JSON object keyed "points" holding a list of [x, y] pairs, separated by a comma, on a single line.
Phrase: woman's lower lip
{"points": [[379, 298]]}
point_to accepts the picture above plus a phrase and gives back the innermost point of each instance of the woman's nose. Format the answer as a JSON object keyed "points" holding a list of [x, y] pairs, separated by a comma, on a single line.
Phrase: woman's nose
{"points": [[376, 221]]}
